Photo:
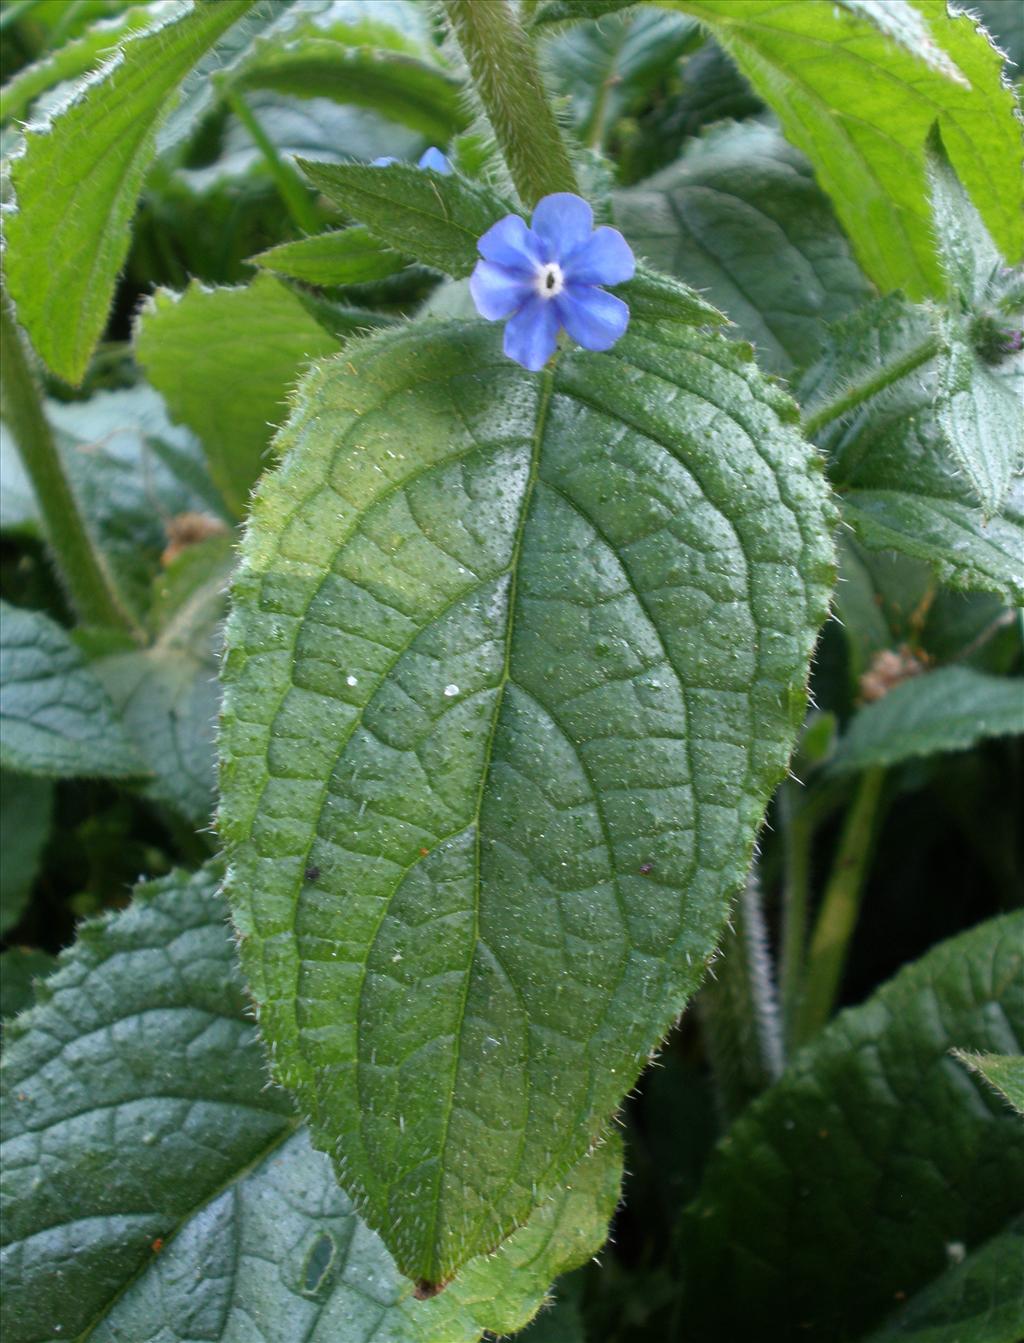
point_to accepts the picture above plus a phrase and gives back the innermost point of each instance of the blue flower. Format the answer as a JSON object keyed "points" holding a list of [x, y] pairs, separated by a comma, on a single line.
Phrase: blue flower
{"points": [[546, 276], [430, 158]]}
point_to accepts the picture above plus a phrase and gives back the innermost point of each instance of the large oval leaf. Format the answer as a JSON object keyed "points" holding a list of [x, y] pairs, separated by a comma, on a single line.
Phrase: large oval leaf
{"points": [[513, 665]]}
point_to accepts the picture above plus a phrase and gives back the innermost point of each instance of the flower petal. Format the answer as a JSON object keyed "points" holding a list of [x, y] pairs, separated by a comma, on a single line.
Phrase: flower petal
{"points": [[605, 258], [498, 291], [563, 221], [532, 334], [510, 243], [593, 318], [433, 158], [383, 163]]}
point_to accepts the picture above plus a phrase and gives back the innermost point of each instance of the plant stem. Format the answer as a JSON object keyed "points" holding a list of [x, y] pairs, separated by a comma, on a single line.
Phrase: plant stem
{"points": [[739, 1009], [290, 186], [80, 564], [853, 396], [797, 836], [504, 68], [840, 907]]}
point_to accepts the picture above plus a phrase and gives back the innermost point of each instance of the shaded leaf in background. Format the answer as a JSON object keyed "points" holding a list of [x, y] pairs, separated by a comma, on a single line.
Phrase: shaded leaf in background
{"points": [[608, 66], [26, 811], [87, 164], [138, 1088], [836, 1190], [950, 709], [485, 794], [1004, 1072], [860, 107], [224, 361], [977, 1300], [740, 218], [167, 696], [55, 717], [1006, 25], [20, 968], [900, 490]]}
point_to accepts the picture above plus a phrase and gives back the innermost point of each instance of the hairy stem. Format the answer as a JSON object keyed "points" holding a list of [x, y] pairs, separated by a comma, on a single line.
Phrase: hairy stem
{"points": [[840, 907], [289, 185], [797, 837], [504, 68], [739, 1011], [79, 562], [852, 396]]}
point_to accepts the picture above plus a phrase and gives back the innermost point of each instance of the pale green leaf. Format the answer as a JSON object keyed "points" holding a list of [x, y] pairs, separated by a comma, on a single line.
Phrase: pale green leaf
{"points": [[344, 256], [907, 26], [856, 1179], [80, 175], [156, 1187], [968, 256], [513, 665], [224, 360], [978, 1299], [860, 107], [1005, 23], [26, 810], [55, 717], [1004, 1072], [740, 218], [950, 709]]}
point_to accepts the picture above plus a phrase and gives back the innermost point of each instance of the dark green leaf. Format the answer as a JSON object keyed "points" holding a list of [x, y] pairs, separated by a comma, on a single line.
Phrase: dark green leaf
{"points": [[950, 709], [488, 774], [571, 11], [861, 107], [26, 810], [849, 1185], [167, 695], [87, 165], [1004, 1072], [416, 93], [156, 1186], [225, 360], [978, 1299], [608, 66], [742, 220], [57, 719], [346, 256], [20, 968]]}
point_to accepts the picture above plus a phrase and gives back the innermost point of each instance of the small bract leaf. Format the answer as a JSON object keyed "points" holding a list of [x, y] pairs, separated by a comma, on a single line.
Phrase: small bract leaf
{"points": [[513, 665], [1004, 1072], [345, 256]]}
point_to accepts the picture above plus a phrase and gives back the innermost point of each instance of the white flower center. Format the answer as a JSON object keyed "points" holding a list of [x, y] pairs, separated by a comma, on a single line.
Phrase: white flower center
{"points": [[550, 280]]}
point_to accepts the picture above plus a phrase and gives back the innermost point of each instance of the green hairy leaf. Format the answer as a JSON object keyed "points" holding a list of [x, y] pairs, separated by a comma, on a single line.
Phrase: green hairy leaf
{"points": [[343, 256], [950, 709], [887, 1196], [224, 361], [1003, 1072], [154, 1184], [80, 176], [981, 414], [861, 106], [56, 716], [513, 665], [740, 217]]}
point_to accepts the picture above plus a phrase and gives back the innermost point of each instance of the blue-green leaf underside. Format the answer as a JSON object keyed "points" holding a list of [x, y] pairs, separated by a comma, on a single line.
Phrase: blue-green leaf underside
{"points": [[512, 666]]}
